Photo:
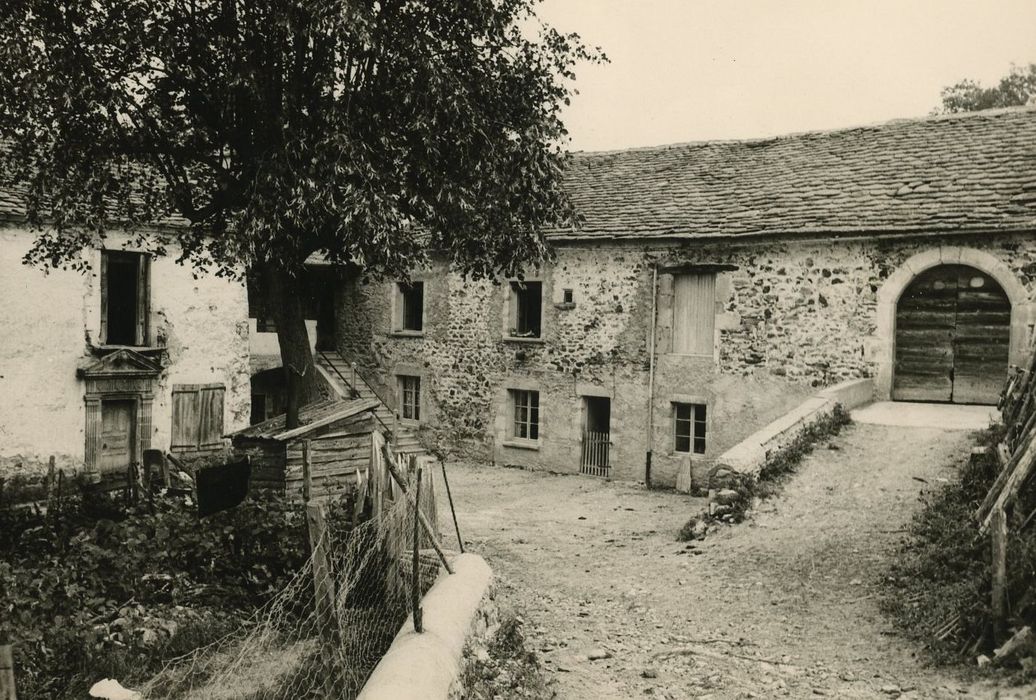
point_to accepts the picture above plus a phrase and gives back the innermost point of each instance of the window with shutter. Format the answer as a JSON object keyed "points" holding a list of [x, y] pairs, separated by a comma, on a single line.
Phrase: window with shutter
{"points": [[125, 292], [694, 314], [526, 309], [197, 417], [409, 307]]}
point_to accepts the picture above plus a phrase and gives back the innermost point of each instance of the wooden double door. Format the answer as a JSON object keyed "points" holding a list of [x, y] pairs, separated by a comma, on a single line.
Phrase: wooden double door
{"points": [[953, 332]]}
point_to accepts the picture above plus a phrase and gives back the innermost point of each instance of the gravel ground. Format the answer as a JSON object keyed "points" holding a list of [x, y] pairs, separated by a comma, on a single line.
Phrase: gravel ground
{"points": [[782, 605]]}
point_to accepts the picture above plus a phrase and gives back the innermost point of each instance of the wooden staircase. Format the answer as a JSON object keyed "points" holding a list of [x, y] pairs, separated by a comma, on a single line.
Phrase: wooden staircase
{"points": [[346, 381]]}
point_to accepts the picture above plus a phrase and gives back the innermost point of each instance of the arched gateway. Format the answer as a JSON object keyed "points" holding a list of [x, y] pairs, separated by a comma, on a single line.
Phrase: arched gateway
{"points": [[952, 337]]}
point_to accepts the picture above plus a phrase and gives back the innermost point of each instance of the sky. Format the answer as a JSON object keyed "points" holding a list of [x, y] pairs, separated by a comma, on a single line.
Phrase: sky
{"points": [[692, 70]]}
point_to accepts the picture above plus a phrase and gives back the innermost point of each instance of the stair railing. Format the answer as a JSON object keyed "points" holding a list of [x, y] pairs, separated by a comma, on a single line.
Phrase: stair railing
{"points": [[352, 387]]}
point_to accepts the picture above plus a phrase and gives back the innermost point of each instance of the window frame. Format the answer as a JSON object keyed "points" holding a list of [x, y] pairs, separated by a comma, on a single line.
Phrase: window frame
{"points": [[701, 345], [527, 400], [142, 290], [401, 387], [399, 307], [517, 289], [697, 425]]}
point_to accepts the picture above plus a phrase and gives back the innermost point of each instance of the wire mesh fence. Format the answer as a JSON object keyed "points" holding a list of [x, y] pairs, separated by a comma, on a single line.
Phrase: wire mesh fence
{"points": [[323, 634]]}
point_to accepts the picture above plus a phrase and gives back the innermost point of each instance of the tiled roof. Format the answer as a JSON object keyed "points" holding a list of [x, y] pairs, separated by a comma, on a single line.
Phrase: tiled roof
{"points": [[972, 171]]}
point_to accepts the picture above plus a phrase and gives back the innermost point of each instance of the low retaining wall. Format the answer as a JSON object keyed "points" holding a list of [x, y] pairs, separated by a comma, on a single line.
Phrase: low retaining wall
{"points": [[750, 455], [459, 609]]}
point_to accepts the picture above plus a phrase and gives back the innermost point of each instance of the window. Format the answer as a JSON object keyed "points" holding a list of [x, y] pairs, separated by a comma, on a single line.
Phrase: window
{"points": [[568, 297], [410, 307], [694, 314], [124, 298], [526, 414], [526, 309], [410, 397], [197, 417], [689, 427]]}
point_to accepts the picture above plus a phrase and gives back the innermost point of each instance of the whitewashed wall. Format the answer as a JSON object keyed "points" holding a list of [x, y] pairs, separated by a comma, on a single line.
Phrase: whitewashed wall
{"points": [[49, 318]]}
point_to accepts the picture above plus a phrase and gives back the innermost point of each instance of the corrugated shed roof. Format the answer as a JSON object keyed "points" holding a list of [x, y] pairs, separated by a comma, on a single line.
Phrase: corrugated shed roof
{"points": [[973, 171]]}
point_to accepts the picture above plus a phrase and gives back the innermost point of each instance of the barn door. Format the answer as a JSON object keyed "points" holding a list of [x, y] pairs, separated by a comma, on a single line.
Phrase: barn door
{"points": [[952, 333]]}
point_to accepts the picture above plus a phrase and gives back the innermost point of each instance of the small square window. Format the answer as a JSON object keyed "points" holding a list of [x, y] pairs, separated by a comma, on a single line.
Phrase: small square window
{"points": [[526, 309], [526, 406], [410, 306], [568, 296], [689, 427], [410, 397]]}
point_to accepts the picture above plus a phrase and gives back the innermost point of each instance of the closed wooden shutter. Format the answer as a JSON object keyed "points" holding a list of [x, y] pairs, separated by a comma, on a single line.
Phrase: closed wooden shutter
{"points": [[143, 298], [197, 417], [694, 314], [104, 298]]}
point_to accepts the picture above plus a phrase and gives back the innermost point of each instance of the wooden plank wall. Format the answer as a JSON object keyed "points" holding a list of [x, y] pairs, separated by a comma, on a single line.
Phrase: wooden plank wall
{"points": [[336, 459]]}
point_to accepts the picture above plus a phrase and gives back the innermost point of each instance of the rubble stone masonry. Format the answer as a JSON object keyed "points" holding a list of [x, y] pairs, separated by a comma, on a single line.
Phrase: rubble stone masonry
{"points": [[791, 316]]}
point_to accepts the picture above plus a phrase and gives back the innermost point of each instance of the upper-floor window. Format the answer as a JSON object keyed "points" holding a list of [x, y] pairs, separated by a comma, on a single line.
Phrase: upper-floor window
{"points": [[526, 407], [125, 292], [526, 309], [410, 307], [689, 427], [410, 397], [694, 313]]}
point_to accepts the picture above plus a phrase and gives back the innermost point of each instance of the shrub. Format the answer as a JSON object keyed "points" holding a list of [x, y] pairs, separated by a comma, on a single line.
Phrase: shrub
{"points": [[90, 587]]}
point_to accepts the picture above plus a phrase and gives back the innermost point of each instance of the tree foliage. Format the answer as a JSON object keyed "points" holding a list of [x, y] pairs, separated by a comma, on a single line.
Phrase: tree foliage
{"points": [[1016, 88], [368, 131]]}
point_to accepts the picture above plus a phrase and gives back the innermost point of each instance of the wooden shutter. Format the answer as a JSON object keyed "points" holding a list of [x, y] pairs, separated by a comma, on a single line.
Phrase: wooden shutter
{"points": [[185, 418], [210, 427], [104, 298], [197, 417], [694, 314], [143, 297]]}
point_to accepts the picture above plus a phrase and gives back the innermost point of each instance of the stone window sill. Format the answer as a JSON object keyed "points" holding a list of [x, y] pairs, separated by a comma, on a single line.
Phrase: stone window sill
{"points": [[406, 334], [522, 444], [565, 305], [519, 339]]}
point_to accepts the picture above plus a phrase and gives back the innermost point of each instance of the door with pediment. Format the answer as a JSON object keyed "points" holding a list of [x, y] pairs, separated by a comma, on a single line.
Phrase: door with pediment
{"points": [[118, 435]]}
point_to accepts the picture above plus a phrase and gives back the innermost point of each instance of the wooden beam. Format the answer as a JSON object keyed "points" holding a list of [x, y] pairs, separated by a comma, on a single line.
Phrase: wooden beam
{"points": [[7, 689], [324, 588], [390, 463], [353, 408], [998, 542]]}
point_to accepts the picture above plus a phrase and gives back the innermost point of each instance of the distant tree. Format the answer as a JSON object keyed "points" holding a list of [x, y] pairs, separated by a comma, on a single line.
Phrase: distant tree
{"points": [[1016, 88], [369, 131]]}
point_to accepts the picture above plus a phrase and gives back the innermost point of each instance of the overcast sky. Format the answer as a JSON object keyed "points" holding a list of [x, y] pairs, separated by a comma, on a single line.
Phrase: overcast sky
{"points": [[689, 70]]}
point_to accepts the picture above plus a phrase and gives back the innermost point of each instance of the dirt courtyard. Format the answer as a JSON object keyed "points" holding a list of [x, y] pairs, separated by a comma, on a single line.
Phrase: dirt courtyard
{"points": [[783, 605]]}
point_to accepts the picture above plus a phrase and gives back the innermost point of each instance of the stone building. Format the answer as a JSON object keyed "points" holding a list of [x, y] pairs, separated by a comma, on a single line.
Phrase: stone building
{"points": [[712, 286], [133, 354]]}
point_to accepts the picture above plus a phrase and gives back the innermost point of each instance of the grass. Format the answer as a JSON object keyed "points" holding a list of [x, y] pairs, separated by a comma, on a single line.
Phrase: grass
{"points": [[507, 669]]}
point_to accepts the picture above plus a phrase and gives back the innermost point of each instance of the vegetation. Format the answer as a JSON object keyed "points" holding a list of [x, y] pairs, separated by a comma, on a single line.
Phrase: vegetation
{"points": [[370, 133], [93, 588], [943, 571], [506, 669], [772, 476], [1016, 88]]}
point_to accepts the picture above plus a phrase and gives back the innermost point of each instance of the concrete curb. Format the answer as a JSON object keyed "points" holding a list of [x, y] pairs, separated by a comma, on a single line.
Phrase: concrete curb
{"points": [[427, 666], [749, 455]]}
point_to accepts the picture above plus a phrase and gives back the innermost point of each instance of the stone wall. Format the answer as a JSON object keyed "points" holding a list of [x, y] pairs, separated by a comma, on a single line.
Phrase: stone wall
{"points": [[790, 317], [49, 320]]}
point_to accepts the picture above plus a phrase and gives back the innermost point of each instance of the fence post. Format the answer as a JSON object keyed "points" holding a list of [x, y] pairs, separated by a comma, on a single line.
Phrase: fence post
{"points": [[324, 588], [7, 690], [307, 476], [415, 582], [449, 497], [998, 529]]}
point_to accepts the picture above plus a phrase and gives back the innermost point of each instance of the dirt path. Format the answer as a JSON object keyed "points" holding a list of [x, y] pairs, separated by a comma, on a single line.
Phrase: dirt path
{"points": [[782, 606]]}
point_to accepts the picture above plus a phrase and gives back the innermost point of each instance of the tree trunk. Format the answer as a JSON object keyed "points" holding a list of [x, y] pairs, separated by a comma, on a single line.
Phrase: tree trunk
{"points": [[284, 293]]}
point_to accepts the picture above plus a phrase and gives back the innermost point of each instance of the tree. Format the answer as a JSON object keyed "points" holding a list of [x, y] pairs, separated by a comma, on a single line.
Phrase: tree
{"points": [[1016, 88], [370, 131]]}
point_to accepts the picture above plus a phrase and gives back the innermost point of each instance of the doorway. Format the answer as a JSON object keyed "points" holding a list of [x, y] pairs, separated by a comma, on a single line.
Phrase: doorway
{"points": [[118, 436], [596, 457], [953, 330]]}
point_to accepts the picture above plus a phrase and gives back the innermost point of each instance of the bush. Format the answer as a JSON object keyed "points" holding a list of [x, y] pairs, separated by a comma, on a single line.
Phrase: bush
{"points": [[943, 567], [92, 588]]}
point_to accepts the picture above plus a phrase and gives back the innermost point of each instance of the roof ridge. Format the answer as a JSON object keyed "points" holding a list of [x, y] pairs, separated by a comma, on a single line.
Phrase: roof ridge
{"points": [[898, 121]]}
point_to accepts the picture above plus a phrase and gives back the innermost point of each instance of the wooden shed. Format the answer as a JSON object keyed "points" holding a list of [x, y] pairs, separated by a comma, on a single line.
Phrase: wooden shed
{"points": [[337, 435]]}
